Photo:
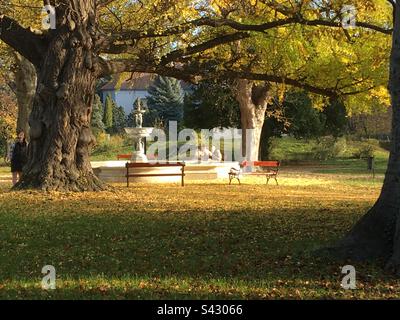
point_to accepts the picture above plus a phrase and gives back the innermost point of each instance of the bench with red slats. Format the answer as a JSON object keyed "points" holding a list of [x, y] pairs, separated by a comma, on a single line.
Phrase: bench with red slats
{"points": [[270, 170]]}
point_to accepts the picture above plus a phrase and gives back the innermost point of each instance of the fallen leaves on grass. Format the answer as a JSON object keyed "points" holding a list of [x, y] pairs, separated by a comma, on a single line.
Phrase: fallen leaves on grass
{"points": [[206, 240]]}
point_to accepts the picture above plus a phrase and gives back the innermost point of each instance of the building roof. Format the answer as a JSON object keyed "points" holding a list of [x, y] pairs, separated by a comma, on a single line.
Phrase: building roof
{"points": [[138, 81]]}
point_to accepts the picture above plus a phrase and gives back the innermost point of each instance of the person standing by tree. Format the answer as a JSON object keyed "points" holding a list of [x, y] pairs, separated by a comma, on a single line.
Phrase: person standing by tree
{"points": [[19, 157]]}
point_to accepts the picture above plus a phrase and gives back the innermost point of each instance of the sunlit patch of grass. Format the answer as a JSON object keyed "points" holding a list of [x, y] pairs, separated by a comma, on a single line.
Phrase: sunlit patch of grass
{"points": [[202, 288], [5, 171]]}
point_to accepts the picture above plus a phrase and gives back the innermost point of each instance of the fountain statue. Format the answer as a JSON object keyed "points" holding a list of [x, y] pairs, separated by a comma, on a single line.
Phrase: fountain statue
{"points": [[138, 113], [138, 133]]}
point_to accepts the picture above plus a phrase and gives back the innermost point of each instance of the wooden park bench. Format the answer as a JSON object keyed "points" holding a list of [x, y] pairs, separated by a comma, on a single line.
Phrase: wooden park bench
{"points": [[135, 165], [269, 169]]}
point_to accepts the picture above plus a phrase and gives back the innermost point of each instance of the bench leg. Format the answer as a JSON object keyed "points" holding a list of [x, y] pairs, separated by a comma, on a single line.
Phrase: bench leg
{"points": [[233, 177], [267, 180], [239, 181], [276, 180], [183, 177], [127, 177]]}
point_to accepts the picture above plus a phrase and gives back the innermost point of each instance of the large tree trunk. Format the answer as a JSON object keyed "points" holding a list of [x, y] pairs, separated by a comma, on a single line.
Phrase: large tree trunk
{"points": [[25, 81], [253, 101], [377, 234], [60, 119]]}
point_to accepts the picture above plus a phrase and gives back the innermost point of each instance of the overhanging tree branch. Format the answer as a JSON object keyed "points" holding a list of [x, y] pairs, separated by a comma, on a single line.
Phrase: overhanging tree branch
{"points": [[264, 27], [290, 20], [193, 75], [23, 40], [132, 35], [181, 53]]}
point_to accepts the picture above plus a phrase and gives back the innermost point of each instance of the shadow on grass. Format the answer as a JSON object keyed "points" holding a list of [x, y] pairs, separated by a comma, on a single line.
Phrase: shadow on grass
{"points": [[241, 249]]}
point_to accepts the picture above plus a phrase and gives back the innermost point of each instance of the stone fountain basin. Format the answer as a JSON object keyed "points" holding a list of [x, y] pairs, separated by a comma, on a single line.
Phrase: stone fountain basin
{"points": [[114, 171], [139, 132]]}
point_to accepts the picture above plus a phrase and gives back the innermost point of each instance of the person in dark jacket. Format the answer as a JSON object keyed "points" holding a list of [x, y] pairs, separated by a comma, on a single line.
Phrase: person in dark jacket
{"points": [[19, 157]]}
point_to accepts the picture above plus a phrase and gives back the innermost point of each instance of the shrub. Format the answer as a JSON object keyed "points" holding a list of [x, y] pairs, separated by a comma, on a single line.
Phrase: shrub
{"points": [[275, 152], [329, 148], [365, 151], [101, 137], [105, 143]]}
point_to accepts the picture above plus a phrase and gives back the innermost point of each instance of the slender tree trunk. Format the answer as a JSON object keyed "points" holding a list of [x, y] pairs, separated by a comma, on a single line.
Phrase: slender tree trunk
{"points": [[377, 234], [253, 101], [60, 119], [25, 80]]}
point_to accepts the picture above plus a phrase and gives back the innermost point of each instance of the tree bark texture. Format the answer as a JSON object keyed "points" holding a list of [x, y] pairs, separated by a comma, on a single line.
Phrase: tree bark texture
{"points": [[253, 101], [376, 236], [25, 82], [60, 134]]}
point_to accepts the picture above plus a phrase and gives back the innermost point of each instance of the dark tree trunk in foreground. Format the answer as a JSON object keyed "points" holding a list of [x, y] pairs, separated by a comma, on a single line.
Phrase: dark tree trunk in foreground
{"points": [[253, 102], [25, 81], [60, 120], [60, 135], [377, 234]]}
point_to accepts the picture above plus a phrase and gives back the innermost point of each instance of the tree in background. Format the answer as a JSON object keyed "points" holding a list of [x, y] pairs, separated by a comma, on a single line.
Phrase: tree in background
{"points": [[25, 83], [19, 75], [130, 119], [97, 116], [335, 118], [8, 116], [375, 124], [305, 120], [18, 71], [108, 113], [165, 100], [211, 105], [114, 117], [119, 119]]}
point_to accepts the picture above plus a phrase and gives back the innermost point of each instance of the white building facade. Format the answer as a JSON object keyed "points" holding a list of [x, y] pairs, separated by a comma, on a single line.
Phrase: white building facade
{"points": [[126, 93]]}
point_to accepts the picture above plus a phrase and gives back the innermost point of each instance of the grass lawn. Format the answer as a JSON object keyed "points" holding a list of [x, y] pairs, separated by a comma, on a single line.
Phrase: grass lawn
{"points": [[300, 153], [4, 171], [206, 240]]}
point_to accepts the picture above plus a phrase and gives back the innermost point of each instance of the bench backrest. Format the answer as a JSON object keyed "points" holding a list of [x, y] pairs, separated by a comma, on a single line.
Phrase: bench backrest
{"points": [[269, 164], [157, 164]]}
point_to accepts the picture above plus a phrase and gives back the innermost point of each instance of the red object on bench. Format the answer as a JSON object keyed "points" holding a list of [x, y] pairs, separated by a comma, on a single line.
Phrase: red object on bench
{"points": [[124, 156], [129, 156], [272, 168]]}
